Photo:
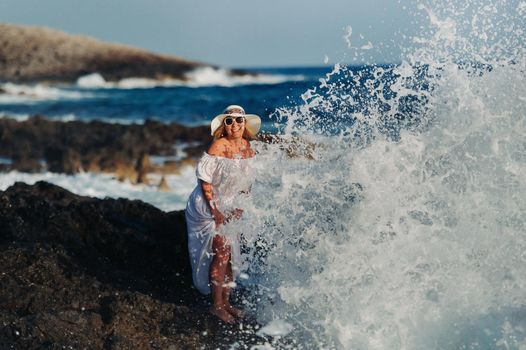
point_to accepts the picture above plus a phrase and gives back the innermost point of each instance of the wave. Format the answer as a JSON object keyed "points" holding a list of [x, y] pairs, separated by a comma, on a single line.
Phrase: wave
{"points": [[21, 93], [200, 77], [209, 76], [105, 185], [398, 221]]}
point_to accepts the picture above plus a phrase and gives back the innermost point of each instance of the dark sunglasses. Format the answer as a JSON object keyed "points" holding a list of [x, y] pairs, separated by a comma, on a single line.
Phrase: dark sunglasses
{"points": [[230, 120]]}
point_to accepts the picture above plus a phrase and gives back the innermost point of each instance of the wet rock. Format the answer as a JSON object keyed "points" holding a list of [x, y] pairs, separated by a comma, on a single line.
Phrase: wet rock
{"points": [[68, 147], [63, 160], [163, 184], [84, 273], [143, 167], [24, 164]]}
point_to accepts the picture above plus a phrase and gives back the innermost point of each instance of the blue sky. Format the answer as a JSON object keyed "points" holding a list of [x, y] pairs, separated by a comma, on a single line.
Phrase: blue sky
{"points": [[232, 33]]}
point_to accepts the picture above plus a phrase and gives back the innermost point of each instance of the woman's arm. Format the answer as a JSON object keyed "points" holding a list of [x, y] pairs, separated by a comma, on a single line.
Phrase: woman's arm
{"points": [[208, 193], [217, 148]]}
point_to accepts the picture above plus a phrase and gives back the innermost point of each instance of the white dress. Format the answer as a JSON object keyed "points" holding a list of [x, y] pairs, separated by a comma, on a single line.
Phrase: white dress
{"points": [[230, 179]]}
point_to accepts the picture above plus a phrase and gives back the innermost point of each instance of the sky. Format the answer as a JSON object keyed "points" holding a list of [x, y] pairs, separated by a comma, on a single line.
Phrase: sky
{"points": [[231, 33]]}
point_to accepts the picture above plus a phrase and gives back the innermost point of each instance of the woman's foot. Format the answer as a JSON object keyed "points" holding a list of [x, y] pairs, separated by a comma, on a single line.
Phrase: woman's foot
{"points": [[235, 311], [221, 312]]}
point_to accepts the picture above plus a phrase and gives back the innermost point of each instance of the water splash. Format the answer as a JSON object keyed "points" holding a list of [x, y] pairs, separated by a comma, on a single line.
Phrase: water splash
{"points": [[392, 213]]}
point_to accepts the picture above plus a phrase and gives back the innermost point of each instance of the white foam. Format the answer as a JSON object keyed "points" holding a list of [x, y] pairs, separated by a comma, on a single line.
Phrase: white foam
{"points": [[16, 116], [105, 185], [94, 80], [208, 76], [199, 77], [20, 93], [276, 328], [402, 240], [97, 81]]}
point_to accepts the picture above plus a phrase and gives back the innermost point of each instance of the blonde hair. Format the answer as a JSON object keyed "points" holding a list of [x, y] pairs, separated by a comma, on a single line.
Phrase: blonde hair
{"points": [[220, 132]]}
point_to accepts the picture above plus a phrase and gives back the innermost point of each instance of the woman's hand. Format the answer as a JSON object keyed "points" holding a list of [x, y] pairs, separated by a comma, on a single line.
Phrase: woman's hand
{"points": [[235, 214], [219, 218]]}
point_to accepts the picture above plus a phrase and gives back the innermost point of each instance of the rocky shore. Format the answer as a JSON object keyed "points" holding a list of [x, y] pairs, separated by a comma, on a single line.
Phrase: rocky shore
{"points": [[40, 144], [37, 54], [84, 273]]}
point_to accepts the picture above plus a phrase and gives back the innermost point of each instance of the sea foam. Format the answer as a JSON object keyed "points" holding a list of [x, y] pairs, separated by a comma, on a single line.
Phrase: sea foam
{"points": [[392, 216], [105, 185], [199, 77], [22, 93]]}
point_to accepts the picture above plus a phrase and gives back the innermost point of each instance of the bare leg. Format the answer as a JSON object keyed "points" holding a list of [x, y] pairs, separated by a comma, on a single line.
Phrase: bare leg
{"points": [[218, 270], [226, 294]]}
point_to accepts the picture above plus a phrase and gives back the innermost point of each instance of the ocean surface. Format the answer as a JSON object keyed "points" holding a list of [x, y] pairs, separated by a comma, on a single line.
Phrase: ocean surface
{"points": [[191, 103], [399, 222]]}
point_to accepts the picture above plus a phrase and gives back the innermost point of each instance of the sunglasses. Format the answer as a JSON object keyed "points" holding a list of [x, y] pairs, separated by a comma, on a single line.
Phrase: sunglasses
{"points": [[230, 120]]}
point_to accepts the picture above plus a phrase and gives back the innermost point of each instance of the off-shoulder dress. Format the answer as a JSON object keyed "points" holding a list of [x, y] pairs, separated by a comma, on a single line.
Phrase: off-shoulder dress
{"points": [[231, 179]]}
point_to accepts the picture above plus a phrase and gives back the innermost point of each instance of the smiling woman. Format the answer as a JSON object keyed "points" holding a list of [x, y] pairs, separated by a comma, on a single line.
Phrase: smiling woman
{"points": [[213, 211]]}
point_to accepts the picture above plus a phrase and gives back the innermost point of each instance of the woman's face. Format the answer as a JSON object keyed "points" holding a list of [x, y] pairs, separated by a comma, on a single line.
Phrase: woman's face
{"points": [[235, 126]]}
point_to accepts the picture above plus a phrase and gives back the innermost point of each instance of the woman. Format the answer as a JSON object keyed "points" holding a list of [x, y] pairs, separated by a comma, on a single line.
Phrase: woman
{"points": [[212, 210]]}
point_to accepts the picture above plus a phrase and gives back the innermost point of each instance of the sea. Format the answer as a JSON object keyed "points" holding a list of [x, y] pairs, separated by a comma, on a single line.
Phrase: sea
{"points": [[392, 214]]}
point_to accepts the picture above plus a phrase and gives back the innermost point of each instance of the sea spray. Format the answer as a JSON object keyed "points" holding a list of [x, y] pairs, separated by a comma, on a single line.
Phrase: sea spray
{"points": [[398, 221]]}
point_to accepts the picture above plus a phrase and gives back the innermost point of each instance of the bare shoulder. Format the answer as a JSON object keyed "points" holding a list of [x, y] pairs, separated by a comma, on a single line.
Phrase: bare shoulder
{"points": [[218, 148]]}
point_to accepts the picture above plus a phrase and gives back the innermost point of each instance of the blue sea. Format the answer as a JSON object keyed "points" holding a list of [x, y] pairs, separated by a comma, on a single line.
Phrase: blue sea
{"points": [[392, 215], [192, 103]]}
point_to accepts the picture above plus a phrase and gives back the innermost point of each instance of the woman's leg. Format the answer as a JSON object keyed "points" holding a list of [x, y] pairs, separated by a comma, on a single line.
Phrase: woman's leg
{"points": [[226, 293], [218, 272]]}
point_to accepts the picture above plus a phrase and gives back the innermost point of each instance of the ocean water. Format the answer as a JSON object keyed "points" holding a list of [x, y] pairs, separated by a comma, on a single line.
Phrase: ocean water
{"points": [[393, 215], [195, 102]]}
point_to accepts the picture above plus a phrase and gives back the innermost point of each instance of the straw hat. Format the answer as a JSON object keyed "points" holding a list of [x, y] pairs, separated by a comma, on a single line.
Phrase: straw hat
{"points": [[252, 121]]}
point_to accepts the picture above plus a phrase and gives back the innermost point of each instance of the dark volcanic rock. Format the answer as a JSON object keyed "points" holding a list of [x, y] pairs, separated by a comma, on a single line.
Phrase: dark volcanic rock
{"points": [[83, 273], [69, 147]]}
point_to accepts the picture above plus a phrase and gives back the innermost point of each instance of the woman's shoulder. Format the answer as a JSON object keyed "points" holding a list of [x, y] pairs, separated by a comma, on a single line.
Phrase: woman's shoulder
{"points": [[218, 148]]}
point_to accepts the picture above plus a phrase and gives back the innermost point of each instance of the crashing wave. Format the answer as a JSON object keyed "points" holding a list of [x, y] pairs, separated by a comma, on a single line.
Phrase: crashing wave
{"points": [[399, 222]]}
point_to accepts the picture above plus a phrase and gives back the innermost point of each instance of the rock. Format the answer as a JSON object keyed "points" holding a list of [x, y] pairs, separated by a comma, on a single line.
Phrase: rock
{"points": [[69, 147], [63, 160], [83, 273], [143, 167], [24, 164], [125, 172], [163, 184]]}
